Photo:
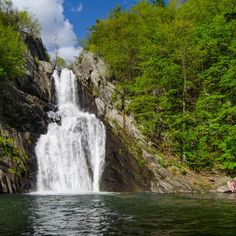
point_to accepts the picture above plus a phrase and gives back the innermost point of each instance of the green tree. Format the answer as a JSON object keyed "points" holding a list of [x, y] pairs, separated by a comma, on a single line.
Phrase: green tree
{"points": [[11, 51], [158, 2], [59, 62], [12, 24], [176, 66], [20, 21], [28, 24]]}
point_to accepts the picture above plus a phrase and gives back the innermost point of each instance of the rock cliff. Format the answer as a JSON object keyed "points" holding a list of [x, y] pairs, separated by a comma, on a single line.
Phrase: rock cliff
{"points": [[132, 161], [24, 102]]}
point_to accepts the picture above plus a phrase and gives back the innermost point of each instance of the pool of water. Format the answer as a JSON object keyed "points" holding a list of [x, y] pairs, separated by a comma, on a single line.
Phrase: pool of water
{"points": [[118, 214]]}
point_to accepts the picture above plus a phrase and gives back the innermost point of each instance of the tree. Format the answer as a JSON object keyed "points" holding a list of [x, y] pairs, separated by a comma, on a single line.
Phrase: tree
{"points": [[176, 68], [11, 51], [20, 21], [6, 6], [59, 62], [114, 13], [158, 2], [12, 24], [28, 24]]}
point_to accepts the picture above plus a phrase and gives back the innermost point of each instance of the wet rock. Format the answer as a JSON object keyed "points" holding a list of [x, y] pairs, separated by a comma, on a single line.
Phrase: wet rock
{"points": [[122, 172], [223, 189]]}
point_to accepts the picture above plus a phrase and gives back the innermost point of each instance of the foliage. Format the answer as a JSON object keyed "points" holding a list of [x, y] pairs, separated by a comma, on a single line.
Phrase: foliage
{"points": [[27, 23], [2, 73], [20, 21], [83, 43], [59, 62], [14, 159], [176, 66], [11, 51], [12, 24]]}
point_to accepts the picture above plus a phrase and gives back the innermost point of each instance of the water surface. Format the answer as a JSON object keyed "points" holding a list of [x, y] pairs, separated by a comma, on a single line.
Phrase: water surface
{"points": [[118, 214]]}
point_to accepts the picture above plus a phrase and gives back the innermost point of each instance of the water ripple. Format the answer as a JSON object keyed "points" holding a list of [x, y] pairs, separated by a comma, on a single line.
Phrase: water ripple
{"points": [[117, 214]]}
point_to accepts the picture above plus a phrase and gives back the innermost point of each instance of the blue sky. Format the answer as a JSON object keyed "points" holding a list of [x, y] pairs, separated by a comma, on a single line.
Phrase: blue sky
{"points": [[83, 14]]}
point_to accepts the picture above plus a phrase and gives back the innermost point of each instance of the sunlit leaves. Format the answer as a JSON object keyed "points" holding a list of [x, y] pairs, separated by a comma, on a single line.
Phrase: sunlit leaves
{"points": [[178, 66], [11, 51]]}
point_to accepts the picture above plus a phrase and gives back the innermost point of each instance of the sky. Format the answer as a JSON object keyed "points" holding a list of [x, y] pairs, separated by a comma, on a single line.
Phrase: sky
{"points": [[63, 21], [83, 14]]}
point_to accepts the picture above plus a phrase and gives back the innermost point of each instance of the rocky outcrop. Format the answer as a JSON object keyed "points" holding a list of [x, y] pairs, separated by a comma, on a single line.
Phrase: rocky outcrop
{"points": [[223, 189], [36, 47], [24, 103], [132, 161]]}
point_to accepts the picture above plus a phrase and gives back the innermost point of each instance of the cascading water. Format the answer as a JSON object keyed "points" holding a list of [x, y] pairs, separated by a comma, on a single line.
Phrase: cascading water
{"points": [[72, 153]]}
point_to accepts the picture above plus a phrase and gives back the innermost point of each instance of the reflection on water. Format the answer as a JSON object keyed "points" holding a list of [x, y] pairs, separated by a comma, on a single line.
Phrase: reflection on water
{"points": [[118, 214], [70, 215]]}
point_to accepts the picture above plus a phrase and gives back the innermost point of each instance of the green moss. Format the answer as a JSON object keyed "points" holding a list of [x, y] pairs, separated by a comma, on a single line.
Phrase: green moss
{"points": [[142, 162], [161, 161], [180, 167], [12, 157], [36, 60]]}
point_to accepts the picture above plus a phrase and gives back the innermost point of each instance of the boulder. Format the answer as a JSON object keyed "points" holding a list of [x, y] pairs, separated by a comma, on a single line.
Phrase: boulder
{"points": [[223, 189]]}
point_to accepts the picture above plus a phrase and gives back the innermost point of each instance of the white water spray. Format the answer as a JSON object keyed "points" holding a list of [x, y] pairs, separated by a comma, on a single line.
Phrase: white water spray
{"points": [[71, 155]]}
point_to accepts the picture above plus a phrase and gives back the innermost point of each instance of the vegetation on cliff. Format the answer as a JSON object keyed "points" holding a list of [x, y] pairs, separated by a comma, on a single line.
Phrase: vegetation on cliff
{"points": [[175, 65], [19, 49], [12, 159], [12, 24]]}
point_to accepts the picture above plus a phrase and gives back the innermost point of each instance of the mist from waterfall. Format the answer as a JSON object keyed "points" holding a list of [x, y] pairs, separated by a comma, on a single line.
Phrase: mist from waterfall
{"points": [[72, 153]]}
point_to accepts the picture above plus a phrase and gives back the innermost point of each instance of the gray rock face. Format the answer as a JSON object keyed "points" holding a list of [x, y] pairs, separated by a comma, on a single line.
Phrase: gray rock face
{"points": [[23, 111], [6, 186], [24, 103], [131, 163], [122, 172], [36, 47]]}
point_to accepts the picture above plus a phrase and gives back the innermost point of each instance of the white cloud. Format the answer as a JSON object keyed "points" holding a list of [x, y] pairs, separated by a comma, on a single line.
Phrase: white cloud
{"points": [[79, 8], [69, 52], [56, 31]]}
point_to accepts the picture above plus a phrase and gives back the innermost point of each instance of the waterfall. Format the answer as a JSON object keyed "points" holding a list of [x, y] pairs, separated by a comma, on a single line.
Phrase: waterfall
{"points": [[72, 153]]}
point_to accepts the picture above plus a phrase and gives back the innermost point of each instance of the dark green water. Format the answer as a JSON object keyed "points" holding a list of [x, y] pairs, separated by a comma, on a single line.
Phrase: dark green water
{"points": [[118, 214]]}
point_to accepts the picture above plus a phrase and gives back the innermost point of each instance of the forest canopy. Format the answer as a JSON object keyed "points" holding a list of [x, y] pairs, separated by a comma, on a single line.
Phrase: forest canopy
{"points": [[176, 64], [12, 24]]}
